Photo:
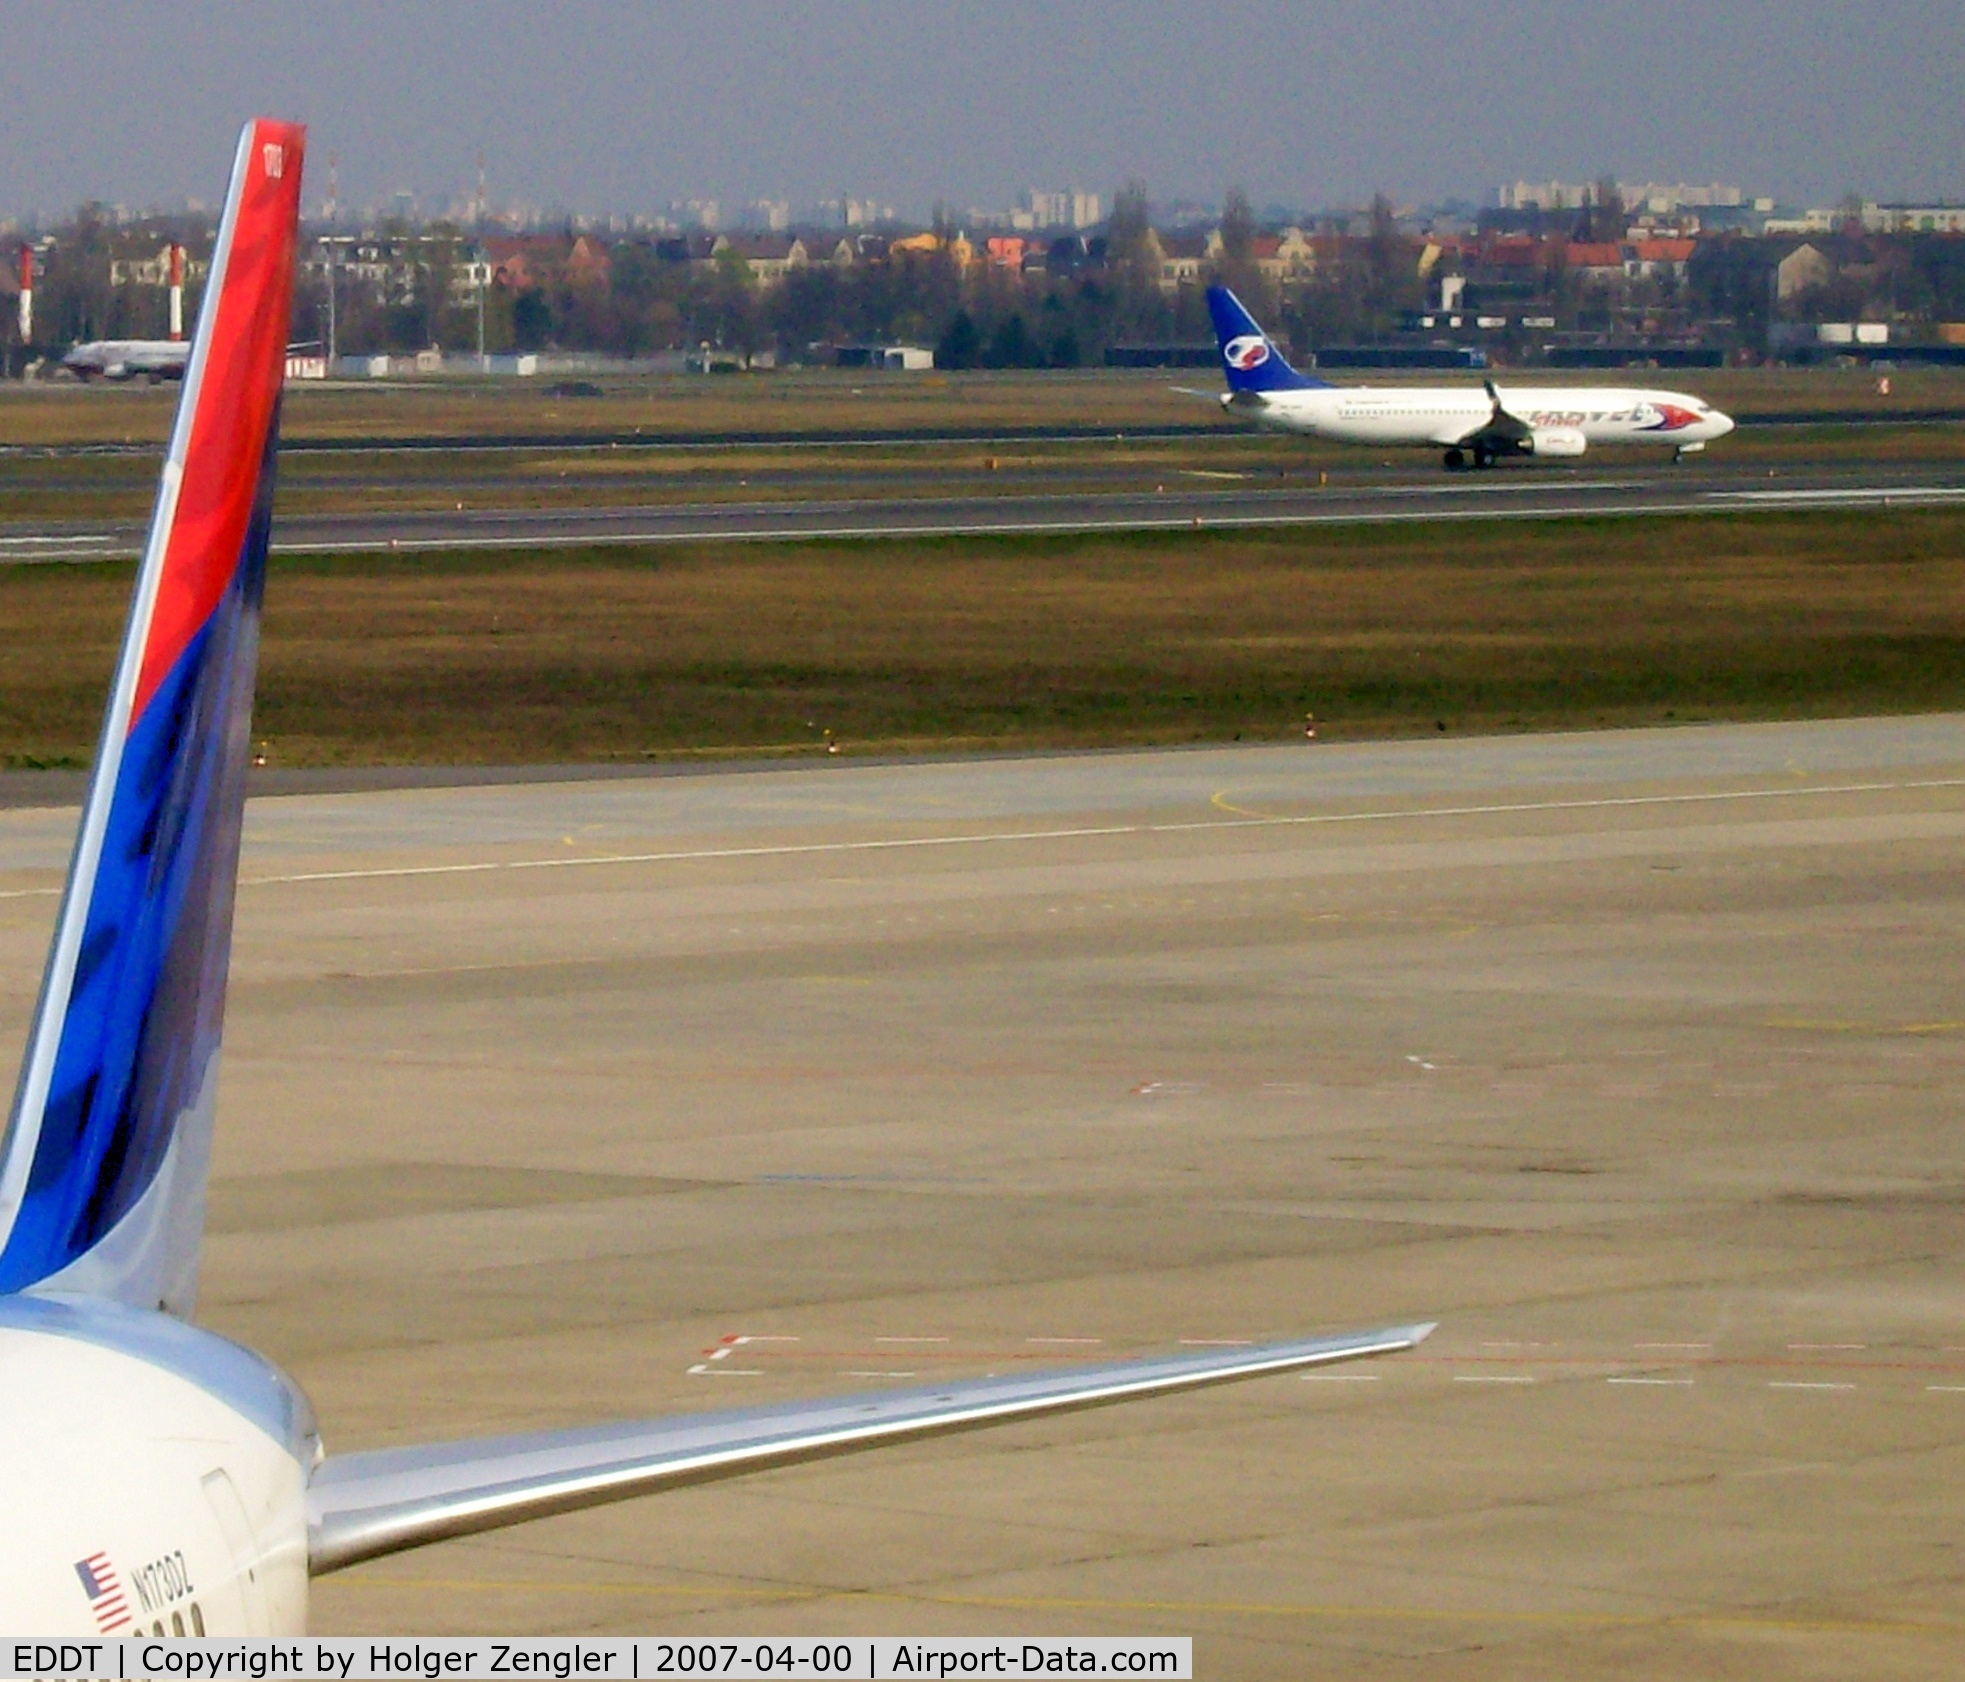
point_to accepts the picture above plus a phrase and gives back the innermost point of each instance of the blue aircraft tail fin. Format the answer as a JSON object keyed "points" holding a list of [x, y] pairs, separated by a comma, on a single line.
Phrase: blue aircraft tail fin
{"points": [[1248, 357], [103, 1165]]}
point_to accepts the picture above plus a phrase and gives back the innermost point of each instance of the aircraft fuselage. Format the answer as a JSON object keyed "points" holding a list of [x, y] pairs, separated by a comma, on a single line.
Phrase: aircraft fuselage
{"points": [[1440, 417], [129, 359], [165, 1490]]}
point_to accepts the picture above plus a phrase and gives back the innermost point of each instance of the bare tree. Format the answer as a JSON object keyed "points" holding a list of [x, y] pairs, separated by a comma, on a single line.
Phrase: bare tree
{"points": [[1606, 219], [1391, 265], [1129, 234], [1237, 268]]}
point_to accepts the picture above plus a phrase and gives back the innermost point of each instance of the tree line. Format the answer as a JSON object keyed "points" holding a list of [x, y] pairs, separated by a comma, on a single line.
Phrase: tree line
{"points": [[1108, 289]]}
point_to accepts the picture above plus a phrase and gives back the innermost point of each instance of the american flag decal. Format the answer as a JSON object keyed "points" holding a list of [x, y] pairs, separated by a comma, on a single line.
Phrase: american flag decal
{"points": [[105, 1592]]}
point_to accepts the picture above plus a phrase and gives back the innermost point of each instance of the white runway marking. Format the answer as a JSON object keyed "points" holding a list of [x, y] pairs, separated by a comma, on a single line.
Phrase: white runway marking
{"points": [[57, 542], [1828, 1346], [1947, 1389], [727, 1347], [1681, 1382], [1492, 1378], [1340, 1378], [1671, 1346], [983, 839], [1805, 1384], [1860, 494], [1224, 518]]}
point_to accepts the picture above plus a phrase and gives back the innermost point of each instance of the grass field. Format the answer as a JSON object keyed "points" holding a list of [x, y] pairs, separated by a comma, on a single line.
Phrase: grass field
{"points": [[1015, 643], [827, 401]]}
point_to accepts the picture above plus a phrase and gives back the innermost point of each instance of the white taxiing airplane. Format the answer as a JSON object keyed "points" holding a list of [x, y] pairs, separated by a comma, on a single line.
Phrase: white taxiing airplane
{"points": [[1470, 428], [156, 1478]]}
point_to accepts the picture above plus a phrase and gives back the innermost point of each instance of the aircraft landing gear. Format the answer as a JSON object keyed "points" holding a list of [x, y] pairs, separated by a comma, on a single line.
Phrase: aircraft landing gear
{"points": [[1455, 460]]}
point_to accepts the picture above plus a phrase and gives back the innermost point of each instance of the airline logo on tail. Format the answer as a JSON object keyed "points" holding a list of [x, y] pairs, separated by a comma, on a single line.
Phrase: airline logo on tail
{"points": [[1248, 356], [1249, 351]]}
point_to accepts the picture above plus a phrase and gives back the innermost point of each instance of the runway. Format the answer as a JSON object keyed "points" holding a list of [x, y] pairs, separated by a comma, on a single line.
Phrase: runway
{"points": [[490, 441], [1178, 503], [1636, 1059]]}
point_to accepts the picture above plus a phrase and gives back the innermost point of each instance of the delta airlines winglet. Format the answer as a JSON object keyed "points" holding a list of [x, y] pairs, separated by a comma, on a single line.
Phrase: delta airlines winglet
{"points": [[155, 1478], [1469, 427]]}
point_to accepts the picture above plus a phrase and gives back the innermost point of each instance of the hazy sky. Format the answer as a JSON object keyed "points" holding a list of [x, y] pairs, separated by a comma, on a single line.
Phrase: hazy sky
{"points": [[626, 106]]}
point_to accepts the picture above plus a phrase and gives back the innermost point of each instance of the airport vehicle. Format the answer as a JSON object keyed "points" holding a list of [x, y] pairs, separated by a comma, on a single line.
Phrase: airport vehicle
{"points": [[154, 1477], [1469, 428], [129, 359]]}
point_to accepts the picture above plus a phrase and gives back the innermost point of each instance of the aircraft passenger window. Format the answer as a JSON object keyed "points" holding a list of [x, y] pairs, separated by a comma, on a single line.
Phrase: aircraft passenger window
{"points": [[177, 1623], [158, 1627], [197, 1620]]}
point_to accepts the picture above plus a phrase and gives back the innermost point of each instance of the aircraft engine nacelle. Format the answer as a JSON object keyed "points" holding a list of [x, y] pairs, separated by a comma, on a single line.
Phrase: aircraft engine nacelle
{"points": [[1557, 441]]}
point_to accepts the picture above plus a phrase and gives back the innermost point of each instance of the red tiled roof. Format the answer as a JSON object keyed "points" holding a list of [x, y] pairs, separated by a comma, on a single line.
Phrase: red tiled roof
{"points": [[1515, 253]]}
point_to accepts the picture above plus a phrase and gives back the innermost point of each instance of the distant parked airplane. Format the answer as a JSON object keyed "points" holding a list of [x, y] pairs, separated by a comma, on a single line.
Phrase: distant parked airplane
{"points": [[1469, 427], [129, 359], [155, 1478]]}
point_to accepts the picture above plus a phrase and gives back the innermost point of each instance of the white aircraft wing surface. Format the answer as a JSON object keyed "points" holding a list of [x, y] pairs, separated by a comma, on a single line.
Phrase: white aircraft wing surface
{"points": [[364, 1504], [1501, 429]]}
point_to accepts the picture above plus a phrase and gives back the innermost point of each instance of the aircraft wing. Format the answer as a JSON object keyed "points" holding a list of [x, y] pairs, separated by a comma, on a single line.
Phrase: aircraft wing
{"points": [[365, 1504], [1501, 432], [1226, 399]]}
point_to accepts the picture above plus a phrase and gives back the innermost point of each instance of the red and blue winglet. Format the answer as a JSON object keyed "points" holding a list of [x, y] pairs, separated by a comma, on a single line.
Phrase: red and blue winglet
{"points": [[102, 1173]]}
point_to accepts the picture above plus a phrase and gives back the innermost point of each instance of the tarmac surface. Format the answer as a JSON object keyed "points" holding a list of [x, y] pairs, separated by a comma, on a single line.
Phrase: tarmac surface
{"points": [[723, 438], [1635, 1059], [1526, 492]]}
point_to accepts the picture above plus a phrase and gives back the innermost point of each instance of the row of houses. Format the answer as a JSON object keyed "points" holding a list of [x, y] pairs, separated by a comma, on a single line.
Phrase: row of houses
{"points": [[391, 265], [1593, 262]]}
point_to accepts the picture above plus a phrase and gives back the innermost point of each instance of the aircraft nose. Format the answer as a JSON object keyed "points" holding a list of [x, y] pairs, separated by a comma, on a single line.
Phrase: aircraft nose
{"points": [[1721, 423]]}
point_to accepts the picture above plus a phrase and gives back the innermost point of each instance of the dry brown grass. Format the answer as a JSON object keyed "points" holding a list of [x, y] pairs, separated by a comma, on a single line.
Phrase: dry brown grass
{"points": [[1025, 643], [827, 401], [657, 406]]}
